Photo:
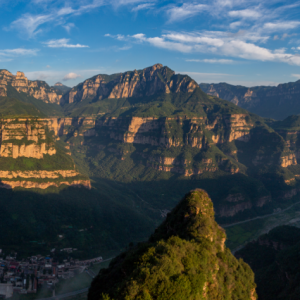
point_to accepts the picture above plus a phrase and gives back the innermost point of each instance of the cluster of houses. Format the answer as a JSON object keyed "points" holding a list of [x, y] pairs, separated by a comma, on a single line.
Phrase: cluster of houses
{"points": [[27, 275]]}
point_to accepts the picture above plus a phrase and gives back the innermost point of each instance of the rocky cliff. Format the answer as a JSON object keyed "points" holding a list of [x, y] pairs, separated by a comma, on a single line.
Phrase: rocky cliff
{"points": [[272, 102], [38, 89], [147, 82], [29, 157], [185, 258]]}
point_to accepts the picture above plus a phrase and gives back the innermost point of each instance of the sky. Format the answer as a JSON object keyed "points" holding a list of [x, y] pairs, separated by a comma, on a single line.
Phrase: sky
{"points": [[241, 42]]}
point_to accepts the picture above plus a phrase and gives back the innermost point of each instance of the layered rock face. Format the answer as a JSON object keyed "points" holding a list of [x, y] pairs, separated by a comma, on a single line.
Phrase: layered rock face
{"points": [[178, 132], [38, 89], [24, 138], [185, 258], [147, 82], [158, 131], [81, 126], [28, 138]]}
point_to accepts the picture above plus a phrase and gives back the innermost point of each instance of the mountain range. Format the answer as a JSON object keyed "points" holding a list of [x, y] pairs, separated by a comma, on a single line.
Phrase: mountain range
{"points": [[135, 142]]}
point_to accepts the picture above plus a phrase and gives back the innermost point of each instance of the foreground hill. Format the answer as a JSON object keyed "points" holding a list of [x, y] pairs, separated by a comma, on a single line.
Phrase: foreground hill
{"points": [[274, 258], [185, 258], [270, 102]]}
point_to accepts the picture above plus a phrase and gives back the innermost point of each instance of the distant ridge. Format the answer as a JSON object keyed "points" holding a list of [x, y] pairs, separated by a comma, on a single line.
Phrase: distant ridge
{"points": [[276, 102], [61, 87]]}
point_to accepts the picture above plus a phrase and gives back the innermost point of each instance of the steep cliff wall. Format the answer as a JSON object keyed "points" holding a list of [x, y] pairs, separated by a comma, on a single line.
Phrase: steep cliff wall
{"points": [[177, 131], [38, 89], [29, 157], [24, 138], [147, 82]]}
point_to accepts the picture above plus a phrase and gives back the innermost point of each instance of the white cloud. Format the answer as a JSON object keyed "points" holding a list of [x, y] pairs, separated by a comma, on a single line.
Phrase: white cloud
{"points": [[212, 61], [281, 25], [245, 13], [234, 25], [119, 37], [69, 26], [18, 52], [71, 76], [63, 43], [186, 10], [296, 75], [143, 6], [222, 44]]}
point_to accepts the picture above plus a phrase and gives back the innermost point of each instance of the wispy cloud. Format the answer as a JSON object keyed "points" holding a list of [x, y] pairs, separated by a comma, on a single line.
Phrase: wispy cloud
{"points": [[186, 10], [69, 26], [245, 13], [31, 24], [63, 43], [220, 43], [18, 52], [143, 6], [279, 26]]}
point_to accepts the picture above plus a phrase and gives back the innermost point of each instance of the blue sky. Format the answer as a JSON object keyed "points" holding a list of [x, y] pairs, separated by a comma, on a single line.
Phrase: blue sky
{"points": [[245, 42]]}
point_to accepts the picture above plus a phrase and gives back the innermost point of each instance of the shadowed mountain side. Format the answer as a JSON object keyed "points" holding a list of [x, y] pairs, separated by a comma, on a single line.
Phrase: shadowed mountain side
{"points": [[110, 215], [274, 258], [185, 258], [93, 221]]}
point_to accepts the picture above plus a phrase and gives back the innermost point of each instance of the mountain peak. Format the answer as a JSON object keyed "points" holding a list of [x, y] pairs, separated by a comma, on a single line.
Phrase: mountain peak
{"points": [[152, 80], [58, 84]]}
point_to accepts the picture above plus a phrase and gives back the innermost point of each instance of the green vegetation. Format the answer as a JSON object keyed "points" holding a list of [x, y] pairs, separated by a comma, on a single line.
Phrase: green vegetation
{"points": [[11, 108], [274, 258], [185, 258], [43, 109]]}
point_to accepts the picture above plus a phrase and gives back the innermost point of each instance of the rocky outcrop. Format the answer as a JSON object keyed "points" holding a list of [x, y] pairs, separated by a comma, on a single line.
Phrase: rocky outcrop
{"points": [[30, 138], [288, 160], [84, 126], [43, 185], [38, 174], [147, 82], [38, 89], [24, 138]]}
